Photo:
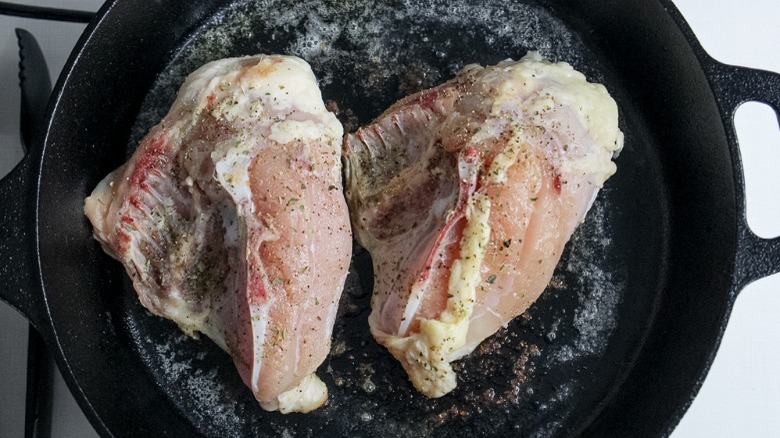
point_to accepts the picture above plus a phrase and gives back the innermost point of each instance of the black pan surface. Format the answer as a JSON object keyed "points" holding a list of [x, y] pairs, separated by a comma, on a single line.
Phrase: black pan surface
{"points": [[546, 371], [616, 346]]}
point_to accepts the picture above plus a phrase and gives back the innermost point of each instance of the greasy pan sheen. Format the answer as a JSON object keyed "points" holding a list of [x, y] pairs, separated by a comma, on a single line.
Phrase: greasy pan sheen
{"points": [[465, 195], [230, 220]]}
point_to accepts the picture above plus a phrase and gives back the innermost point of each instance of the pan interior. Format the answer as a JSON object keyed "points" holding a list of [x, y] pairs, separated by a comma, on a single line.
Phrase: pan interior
{"points": [[548, 372]]}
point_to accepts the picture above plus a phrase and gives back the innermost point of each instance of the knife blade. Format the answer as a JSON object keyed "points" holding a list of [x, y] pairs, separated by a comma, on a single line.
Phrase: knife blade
{"points": [[35, 83], [36, 87]]}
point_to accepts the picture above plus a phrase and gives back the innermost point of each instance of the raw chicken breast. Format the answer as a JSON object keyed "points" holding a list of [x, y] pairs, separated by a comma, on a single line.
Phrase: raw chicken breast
{"points": [[230, 220], [465, 195]]}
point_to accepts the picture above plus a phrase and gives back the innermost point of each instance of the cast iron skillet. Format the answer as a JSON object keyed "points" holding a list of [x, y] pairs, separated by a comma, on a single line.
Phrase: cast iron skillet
{"points": [[617, 346]]}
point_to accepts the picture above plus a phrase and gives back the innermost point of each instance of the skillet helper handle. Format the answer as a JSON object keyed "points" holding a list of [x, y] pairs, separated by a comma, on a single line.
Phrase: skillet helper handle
{"points": [[18, 282], [756, 257]]}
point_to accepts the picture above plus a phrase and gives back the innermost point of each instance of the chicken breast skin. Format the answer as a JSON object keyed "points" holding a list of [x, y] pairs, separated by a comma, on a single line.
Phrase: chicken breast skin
{"points": [[465, 195], [230, 220]]}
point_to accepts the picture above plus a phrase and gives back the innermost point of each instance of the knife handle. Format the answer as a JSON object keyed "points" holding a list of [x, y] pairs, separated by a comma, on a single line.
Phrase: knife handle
{"points": [[40, 387]]}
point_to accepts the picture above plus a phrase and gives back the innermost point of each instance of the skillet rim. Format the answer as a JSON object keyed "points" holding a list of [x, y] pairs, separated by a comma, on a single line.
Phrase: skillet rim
{"points": [[38, 158]]}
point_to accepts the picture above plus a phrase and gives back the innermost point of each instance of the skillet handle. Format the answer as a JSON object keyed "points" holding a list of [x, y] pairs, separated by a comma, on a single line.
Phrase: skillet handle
{"points": [[756, 257], [18, 282]]}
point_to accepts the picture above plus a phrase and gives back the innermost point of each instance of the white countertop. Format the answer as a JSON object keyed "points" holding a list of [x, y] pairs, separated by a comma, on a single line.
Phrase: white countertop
{"points": [[741, 395]]}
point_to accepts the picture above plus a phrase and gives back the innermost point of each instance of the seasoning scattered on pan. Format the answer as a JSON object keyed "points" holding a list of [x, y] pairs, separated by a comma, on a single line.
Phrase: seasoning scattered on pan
{"points": [[231, 222], [465, 195]]}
